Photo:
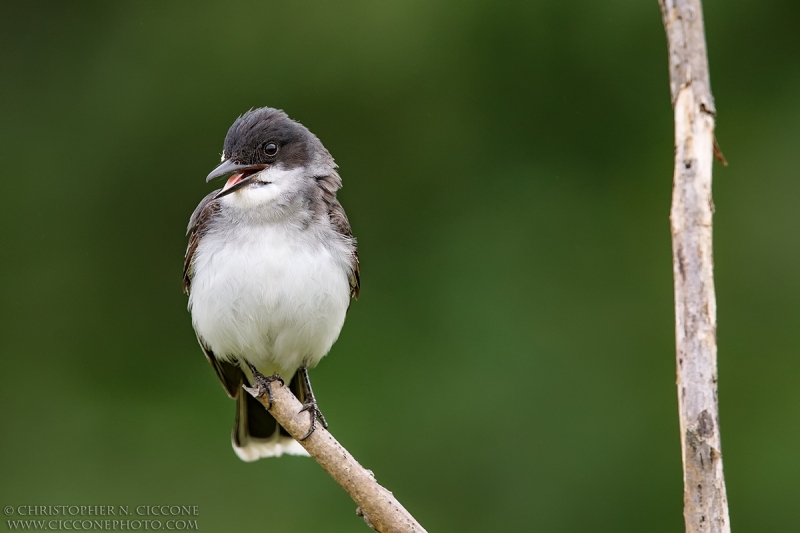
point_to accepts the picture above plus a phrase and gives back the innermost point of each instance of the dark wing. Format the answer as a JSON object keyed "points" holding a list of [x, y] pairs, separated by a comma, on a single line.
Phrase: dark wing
{"points": [[198, 226], [339, 221], [228, 373]]}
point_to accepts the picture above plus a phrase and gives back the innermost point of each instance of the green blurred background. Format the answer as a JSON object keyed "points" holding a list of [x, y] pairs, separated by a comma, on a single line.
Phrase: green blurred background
{"points": [[507, 170]]}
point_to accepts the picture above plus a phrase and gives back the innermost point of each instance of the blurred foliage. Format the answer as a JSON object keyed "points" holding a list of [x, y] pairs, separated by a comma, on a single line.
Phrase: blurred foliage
{"points": [[507, 170]]}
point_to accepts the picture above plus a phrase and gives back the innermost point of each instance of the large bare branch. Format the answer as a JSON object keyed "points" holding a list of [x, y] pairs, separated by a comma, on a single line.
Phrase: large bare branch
{"points": [[705, 500], [379, 508]]}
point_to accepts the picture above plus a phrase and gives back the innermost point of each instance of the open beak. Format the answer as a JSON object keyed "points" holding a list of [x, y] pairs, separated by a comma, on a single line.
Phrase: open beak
{"points": [[242, 175]]}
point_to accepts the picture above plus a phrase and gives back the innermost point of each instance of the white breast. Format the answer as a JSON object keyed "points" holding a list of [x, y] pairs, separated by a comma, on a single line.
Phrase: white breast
{"points": [[272, 294]]}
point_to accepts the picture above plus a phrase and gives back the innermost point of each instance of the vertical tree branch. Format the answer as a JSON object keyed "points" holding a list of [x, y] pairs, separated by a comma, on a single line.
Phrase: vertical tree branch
{"points": [[705, 501]]}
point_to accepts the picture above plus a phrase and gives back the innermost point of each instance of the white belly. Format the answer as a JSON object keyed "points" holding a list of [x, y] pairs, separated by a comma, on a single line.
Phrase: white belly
{"points": [[271, 295]]}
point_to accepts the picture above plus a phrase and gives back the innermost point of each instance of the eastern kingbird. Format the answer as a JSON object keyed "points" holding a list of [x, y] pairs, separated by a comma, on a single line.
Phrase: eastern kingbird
{"points": [[270, 269]]}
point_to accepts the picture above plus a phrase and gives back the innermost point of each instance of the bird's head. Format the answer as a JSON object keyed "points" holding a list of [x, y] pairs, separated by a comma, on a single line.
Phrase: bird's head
{"points": [[269, 156]]}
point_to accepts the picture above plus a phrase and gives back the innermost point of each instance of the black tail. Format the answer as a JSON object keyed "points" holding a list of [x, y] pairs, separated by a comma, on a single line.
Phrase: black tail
{"points": [[257, 434]]}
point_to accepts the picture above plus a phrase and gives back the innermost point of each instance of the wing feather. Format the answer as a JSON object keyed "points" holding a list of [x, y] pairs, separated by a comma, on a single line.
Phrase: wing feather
{"points": [[229, 374], [339, 221], [198, 226]]}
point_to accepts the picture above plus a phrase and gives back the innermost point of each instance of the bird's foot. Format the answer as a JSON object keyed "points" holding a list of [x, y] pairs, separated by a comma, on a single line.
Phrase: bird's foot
{"points": [[311, 406], [263, 385]]}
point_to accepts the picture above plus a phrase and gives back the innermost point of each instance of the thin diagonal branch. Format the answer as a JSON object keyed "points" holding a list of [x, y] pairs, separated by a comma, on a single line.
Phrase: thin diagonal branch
{"points": [[379, 508], [705, 500]]}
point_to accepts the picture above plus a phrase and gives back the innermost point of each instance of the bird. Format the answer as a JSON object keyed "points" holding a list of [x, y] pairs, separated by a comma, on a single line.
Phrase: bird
{"points": [[270, 270]]}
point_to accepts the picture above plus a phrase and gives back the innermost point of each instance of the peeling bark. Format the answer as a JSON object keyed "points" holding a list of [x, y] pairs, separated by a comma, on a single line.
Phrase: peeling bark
{"points": [[705, 500]]}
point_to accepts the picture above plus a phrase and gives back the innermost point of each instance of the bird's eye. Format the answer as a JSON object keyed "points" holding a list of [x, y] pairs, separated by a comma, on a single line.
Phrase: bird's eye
{"points": [[270, 148]]}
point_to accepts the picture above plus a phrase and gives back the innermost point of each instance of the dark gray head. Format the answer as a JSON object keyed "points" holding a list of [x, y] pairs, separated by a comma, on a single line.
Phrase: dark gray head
{"points": [[267, 138]]}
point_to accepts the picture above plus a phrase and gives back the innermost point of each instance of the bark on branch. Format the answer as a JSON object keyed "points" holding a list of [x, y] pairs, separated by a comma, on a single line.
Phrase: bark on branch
{"points": [[376, 505], [705, 500]]}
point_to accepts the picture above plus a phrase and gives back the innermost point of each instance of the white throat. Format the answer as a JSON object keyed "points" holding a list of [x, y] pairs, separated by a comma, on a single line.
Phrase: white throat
{"points": [[273, 189]]}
